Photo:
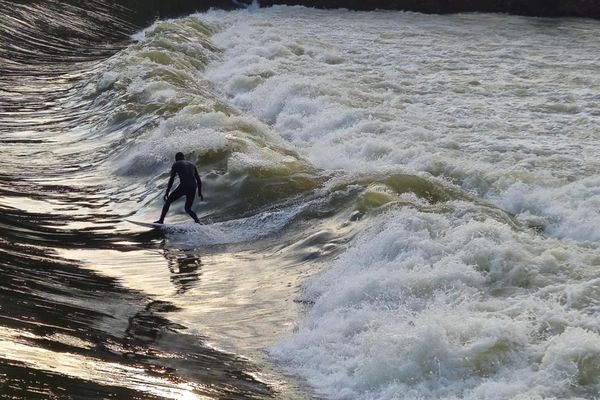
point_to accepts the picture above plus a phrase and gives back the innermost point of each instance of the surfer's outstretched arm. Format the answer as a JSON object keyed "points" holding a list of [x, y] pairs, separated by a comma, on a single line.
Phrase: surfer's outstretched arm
{"points": [[171, 180], [199, 181]]}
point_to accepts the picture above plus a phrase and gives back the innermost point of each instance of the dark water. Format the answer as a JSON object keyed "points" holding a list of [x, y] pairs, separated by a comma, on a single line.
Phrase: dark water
{"points": [[65, 330]]}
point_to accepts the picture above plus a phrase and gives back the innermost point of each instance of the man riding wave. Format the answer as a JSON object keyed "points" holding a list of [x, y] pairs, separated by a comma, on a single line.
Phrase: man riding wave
{"points": [[189, 181]]}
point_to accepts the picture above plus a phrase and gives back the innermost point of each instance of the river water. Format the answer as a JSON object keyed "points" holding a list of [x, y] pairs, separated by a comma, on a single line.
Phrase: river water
{"points": [[398, 206]]}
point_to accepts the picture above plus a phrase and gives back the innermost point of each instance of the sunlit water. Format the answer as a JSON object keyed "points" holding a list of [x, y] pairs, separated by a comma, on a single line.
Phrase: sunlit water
{"points": [[398, 206]]}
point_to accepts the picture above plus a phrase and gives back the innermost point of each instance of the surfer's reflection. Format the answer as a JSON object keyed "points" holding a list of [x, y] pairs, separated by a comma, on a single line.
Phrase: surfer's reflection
{"points": [[184, 269], [148, 325]]}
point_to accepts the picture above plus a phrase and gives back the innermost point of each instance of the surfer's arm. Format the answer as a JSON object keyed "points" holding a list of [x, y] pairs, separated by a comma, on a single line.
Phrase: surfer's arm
{"points": [[171, 180], [199, 181]]}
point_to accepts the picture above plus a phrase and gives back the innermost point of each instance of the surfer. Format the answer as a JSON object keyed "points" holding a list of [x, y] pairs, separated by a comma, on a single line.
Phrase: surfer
{"points": [[189, 180]]}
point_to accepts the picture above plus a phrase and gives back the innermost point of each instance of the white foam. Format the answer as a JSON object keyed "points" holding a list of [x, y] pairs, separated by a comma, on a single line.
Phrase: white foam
{"points": [[365, 91], [569, 211], [187, 130], [194, 235], [161, 78], [430, 306]]}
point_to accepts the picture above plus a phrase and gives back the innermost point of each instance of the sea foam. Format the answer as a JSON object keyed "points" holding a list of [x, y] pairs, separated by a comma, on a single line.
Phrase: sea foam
{"points": [[467, 113], [447, 303], [431, 306]]}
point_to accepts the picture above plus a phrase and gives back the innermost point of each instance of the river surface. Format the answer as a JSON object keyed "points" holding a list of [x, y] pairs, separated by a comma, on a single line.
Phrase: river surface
{"points": [[397, 205]]}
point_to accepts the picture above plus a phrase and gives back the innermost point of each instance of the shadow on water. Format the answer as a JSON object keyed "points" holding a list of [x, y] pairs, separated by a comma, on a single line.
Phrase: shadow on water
{"points": [[184, 269]]}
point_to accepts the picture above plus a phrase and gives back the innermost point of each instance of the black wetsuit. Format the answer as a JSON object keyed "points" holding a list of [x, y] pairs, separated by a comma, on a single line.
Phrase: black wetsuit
{"points": [[189, 181]]}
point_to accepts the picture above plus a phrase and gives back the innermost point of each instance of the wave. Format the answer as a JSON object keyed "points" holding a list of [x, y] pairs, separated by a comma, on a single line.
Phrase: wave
{"points": [[347, 146], [365, 113], [427, 305], [444, 290]]}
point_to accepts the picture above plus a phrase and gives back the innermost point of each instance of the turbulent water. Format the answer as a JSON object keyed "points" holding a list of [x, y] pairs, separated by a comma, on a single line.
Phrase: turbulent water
{"points": [[398, 206]]}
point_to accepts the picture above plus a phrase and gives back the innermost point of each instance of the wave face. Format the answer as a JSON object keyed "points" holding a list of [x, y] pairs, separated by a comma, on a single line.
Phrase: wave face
{"points": [[418, 191]]}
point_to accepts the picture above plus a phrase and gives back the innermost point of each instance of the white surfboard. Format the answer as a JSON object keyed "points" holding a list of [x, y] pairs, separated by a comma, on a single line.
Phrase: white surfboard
{"points": [[181, 226], [153, 225]]}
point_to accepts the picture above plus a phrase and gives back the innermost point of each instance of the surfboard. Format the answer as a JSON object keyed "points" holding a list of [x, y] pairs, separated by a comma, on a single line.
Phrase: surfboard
{"points": [[152, 225]]}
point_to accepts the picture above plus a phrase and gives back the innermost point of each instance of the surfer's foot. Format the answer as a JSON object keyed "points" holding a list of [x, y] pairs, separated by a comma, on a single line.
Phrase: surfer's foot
{"points": [[197, 221], [158, 222]]}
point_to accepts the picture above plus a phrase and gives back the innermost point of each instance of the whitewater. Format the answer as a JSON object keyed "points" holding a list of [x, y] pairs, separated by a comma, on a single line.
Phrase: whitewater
{"points": [[490, 294], [399, 205]]}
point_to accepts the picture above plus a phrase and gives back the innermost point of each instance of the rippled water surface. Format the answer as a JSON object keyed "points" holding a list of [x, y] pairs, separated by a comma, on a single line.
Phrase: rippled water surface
{"points": [[398, 206]]}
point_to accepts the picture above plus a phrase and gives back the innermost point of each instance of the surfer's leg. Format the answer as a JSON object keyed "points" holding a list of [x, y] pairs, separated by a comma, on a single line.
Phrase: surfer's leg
{"points": [[189, 200], [175, 194]]}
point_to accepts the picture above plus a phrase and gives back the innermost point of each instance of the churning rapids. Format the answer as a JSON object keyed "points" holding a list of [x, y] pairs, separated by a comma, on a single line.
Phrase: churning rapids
{"points": [[399, 206]]}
